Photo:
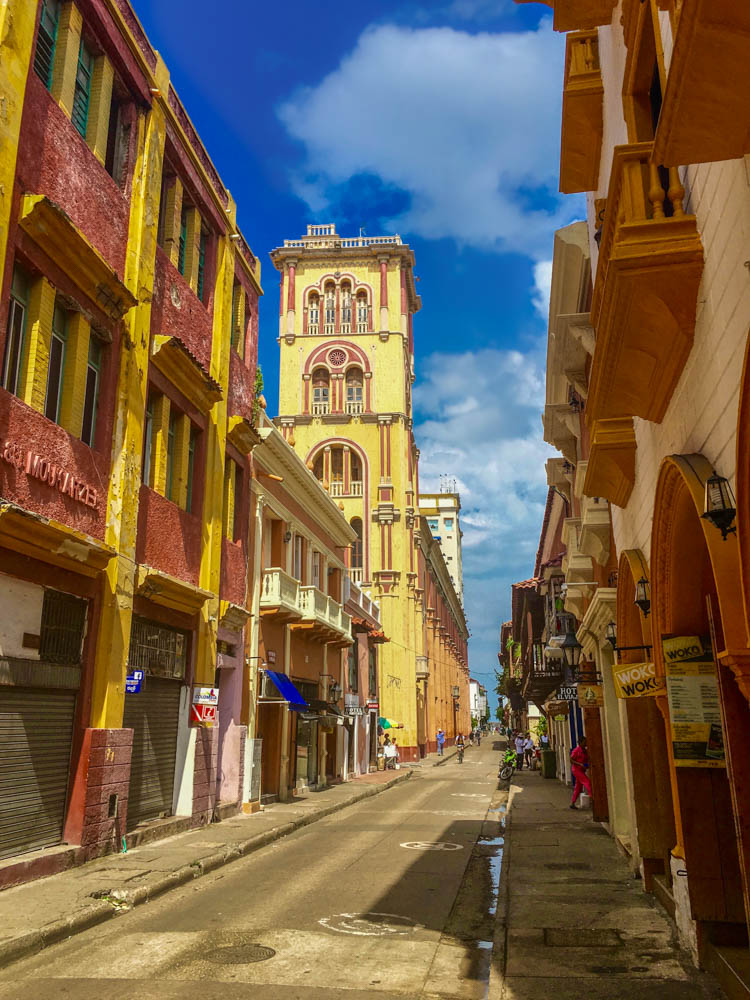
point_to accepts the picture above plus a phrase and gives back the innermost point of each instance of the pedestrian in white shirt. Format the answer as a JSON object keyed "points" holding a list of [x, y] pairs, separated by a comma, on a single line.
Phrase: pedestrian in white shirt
{"points": [[528, 749], [519, 751]]}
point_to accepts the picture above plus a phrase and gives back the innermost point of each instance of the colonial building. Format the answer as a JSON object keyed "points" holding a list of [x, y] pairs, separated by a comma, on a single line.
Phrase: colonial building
{"points": [[128, 335], [301, 634], [346, 317], [655, 132]]}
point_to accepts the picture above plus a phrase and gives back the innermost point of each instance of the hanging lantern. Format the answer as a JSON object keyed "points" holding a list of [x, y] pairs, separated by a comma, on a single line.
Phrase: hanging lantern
{"points": [[610, 634], [719, 506], [643, 596]]}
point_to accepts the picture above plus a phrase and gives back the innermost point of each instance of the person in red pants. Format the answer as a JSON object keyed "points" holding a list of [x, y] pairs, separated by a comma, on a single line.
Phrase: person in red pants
{"points": [[579, 760]]}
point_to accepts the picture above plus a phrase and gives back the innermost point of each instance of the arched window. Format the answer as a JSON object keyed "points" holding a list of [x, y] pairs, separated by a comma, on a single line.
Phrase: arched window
{"points": [[356, 570], [318, 467], [321, 391], [346, 307], [313, 314], [362, 323], [354, 385], [355, 481], [329, 296]]}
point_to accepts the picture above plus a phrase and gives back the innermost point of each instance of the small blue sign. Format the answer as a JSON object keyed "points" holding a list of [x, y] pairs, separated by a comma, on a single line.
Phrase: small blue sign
{"points": [[133, 682]]}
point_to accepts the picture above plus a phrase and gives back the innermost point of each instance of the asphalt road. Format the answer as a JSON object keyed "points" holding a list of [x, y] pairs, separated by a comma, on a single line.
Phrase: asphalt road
{"points": [[393, 897]]}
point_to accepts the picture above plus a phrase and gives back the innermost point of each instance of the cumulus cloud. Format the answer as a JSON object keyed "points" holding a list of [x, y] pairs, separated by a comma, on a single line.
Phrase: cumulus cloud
{"points": [[542, 287], [465, 125], [479, 422]]}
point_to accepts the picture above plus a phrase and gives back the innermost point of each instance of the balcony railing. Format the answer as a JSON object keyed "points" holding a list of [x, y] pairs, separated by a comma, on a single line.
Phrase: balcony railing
{"points": [[646, 291], [357, 574], [326, 613], [313, 328], [338, 488], [320, 409], [354, 408], [280, 593], [704, 116], [582, 115]]}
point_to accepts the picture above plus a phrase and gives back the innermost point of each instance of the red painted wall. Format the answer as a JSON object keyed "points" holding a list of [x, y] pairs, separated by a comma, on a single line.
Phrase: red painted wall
{"points": [[54, 160], [178, 312], [169, 538], [233, 572]]}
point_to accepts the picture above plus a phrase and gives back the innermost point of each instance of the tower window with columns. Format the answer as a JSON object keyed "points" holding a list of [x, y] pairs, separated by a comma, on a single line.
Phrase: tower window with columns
{"points": [[321, 392], [329, 299], [346, 307], [354, 384], [313, 314], [362, 312]]}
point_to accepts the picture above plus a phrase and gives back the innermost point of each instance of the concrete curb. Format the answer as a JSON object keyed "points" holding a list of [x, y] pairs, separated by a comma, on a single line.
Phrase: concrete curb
{"points": [[444, 759], [495, 987], [123, 900]]}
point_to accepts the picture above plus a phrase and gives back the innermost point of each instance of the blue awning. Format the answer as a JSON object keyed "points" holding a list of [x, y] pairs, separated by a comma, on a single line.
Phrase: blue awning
{"points": [[287, 689]]}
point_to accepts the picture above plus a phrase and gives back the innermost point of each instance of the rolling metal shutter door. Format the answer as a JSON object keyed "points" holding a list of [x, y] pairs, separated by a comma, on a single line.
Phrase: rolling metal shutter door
{"points": [[153, 715], [36, 732]]}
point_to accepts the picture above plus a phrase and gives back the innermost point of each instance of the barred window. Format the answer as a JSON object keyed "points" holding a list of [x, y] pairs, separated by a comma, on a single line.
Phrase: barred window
{"points": [[62, 627], [44, 54], [158, 649]]}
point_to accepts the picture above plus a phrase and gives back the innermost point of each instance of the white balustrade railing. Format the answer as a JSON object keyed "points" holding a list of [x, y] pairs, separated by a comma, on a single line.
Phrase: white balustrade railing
{"points": [[357, 574], [339, 489], [279, 589], [320, 409]]}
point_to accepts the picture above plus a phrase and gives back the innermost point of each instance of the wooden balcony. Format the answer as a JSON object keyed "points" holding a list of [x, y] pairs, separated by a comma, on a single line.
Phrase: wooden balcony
{"points": [[582, 115], [577, 15], [323, 617], [705, 114], [610, 473], [647, 280]]}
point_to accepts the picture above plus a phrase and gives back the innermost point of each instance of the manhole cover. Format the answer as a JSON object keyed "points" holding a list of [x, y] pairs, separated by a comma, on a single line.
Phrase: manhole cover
{"points": [[240, 954]]}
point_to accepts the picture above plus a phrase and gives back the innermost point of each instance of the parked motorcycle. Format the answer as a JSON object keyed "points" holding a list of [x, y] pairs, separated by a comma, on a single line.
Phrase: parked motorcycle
{"points": [[508, 765]]}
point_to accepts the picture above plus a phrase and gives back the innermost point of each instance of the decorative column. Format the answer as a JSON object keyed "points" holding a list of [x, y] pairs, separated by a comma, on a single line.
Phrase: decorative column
{"points": [[290, 301], [347, 469], [384, 325]]}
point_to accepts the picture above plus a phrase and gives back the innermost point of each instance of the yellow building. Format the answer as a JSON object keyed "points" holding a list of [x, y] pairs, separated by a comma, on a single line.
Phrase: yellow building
{"points": [[345, 399]]}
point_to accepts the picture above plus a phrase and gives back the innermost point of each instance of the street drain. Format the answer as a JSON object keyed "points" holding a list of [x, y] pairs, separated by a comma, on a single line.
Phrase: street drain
{"points": [[240, 954]]}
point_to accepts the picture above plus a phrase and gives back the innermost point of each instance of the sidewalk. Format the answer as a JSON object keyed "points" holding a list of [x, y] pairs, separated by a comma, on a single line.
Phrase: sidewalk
{"points": [[572, 922], [37, 914]]}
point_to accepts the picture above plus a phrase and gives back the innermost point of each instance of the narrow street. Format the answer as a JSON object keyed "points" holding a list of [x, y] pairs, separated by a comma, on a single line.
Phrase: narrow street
{"points": [[397, 896]]}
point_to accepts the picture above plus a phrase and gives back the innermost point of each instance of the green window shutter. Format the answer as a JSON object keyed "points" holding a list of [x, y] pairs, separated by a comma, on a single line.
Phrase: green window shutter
{"points": [[183, 241], [82, 93], [201, 263], [91, 396], [44, 54]]}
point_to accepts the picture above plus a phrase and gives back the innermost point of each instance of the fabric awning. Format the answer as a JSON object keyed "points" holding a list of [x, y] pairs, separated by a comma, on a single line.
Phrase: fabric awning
{"points": [[287, 690]]}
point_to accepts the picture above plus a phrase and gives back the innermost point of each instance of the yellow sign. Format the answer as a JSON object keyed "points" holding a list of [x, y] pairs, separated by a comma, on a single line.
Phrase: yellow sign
{"points": [[637, 680], [590, 695], [694, 708]]}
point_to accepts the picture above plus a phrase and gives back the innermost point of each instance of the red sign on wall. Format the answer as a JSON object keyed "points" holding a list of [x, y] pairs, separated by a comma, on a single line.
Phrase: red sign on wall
{"points": [[203, 715]]}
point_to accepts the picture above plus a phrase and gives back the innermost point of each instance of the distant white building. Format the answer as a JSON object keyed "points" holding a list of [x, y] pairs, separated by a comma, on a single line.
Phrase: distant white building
{"points": [[477, 699], [441, 511]]}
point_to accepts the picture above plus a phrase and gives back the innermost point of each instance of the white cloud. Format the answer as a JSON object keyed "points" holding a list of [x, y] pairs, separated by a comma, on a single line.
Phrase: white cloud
{"points": [[467, 124], [542, 287], [493, 448]]}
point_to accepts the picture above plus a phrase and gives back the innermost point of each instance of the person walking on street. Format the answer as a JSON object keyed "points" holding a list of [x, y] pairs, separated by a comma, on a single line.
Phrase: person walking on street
{"points": [[579, 759], [390, 753], [479, 737], [519, 741], [544, 741], [460, 747], [440, 739], [528, 750]]}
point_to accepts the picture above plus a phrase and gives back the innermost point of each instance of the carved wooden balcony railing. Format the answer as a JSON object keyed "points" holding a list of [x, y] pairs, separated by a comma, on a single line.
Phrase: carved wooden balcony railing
{"points": [[705, 114], [578, 15], [646, 290], [582, 116]]}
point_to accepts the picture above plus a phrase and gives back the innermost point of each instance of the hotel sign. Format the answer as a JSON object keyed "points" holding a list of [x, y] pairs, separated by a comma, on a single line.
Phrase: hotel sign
{"points": [[46, 471]]}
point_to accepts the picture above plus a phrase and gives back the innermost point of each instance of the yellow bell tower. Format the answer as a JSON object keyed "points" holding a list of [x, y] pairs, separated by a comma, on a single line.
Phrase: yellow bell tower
{"points": [[345, 403]]}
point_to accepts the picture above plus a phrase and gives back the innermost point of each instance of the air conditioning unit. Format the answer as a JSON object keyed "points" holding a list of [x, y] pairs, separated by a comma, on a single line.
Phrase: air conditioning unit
{"points": [[267, 690]]}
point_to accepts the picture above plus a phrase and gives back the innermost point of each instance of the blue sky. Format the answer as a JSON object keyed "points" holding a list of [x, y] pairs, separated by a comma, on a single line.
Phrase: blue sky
{"points": [[437, 120]]}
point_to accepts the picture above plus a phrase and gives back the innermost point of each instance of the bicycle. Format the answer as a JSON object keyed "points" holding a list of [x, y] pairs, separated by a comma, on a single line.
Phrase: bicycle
{"points": [[508, 766], [460, 754]]}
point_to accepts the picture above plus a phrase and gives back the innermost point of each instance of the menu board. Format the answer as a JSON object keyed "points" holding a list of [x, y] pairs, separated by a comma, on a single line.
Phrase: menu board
{"points": [[694, 709]]}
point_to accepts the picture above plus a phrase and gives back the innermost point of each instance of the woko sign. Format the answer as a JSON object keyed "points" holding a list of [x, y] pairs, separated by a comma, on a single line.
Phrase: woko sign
{"points": [[637, 680]]}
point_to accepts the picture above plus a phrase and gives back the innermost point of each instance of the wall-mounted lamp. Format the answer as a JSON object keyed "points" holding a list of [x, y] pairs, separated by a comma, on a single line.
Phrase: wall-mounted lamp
{"points": [[610, 634], [643, 596], [334, 691], [719, 505], [288, 537]]}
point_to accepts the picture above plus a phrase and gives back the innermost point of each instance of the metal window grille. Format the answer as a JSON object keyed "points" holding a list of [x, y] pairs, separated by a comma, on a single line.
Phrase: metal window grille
{"points": [[82, 92], [44, 54], [62, 627], [158, 649]]}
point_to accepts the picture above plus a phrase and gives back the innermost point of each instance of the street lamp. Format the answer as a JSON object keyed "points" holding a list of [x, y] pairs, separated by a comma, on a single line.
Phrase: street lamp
{"points": [[643, 596], [610, 634], [719, 506], [334, 692], [572, 650], [456, 691]]}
